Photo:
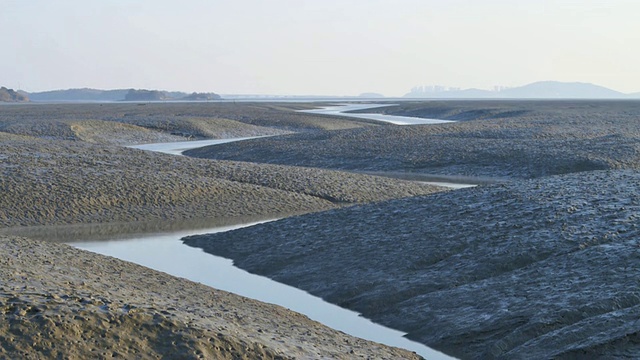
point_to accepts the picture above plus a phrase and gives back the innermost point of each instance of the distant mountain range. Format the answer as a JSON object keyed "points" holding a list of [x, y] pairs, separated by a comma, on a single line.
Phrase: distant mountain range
{"points": [[537, 90], [117, 95]]}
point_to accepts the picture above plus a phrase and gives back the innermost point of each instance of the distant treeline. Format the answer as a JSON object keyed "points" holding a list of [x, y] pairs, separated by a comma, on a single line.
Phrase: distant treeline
{"points": [[118, 95]]}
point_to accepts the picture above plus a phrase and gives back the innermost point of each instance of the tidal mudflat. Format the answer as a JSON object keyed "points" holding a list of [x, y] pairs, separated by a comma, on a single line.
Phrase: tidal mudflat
{"points": [[61, 302], [490, 139], [60, 169], [514, 240], [544, 268], [538, 268]]}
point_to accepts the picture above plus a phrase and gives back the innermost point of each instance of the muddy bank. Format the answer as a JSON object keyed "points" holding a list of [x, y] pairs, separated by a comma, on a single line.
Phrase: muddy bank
{"points": [[508, 139], [58, 301], [541, 268], [45, 182]]}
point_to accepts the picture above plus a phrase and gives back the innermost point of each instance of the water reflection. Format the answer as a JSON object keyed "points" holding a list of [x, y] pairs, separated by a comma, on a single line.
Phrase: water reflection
{"points": [[176, 148]]}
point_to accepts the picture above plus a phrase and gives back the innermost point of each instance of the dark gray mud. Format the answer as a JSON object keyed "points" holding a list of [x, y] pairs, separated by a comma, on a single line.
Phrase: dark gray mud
{"points": [[62, 177], [541, 268], [522, 269], [131, 123], [499, 139]]}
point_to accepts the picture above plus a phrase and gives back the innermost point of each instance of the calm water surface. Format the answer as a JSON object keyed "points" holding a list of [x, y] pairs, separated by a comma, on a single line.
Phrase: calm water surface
{"points": [[176, 148], [341, 110]]}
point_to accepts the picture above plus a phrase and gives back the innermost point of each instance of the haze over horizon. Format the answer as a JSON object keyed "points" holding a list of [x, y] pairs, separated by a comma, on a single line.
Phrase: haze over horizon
{"points": [[287, 47]]}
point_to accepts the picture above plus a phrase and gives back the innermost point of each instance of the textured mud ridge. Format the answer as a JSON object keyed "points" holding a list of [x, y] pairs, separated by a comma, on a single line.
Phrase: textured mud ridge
{"points": [[537, 269], [46, 182], [60, 302], [506, 139]]}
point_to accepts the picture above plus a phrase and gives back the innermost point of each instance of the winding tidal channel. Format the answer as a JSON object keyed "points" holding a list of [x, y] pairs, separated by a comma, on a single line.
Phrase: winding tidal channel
{"points": [[165, 252]]}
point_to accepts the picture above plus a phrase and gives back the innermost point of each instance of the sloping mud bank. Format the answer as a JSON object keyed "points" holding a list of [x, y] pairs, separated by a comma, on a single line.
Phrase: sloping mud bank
{"points": [[537, 269]]}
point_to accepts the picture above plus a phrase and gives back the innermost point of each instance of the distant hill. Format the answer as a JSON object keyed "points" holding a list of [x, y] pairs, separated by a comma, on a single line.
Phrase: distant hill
{"points": [[84, 94], [537, 90], [89, 95], [10, 95], [156, 95], [555, 89], [147, 95]]}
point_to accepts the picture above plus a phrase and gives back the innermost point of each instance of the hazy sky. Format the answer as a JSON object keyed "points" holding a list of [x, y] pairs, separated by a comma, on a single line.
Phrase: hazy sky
{"points": [[326, 47]]}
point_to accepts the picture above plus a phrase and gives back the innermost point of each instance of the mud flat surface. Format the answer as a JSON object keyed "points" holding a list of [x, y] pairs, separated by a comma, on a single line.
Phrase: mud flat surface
{"points": [[62, 176], [46, 182], [537, 268], [137, 123], [503, 139], [543, 268], [60, 302], [59, 165]]}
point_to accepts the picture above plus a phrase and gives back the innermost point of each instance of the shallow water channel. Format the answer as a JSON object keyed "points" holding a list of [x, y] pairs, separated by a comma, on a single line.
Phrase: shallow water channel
{"points": [[343, 110], [165, 252]]}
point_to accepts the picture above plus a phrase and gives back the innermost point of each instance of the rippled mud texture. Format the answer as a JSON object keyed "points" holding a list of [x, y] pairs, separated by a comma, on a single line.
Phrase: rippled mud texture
{"points": [[493, 139], [54, 182], [538, 269]]}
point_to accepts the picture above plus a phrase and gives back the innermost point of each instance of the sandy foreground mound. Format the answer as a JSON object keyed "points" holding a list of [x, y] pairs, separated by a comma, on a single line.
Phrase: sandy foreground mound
{"points": [[540, 269], [60, 302]]}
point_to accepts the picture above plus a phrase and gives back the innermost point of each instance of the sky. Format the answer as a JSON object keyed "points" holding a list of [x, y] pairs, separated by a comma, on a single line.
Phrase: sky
{"points": [[313, 47]]}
